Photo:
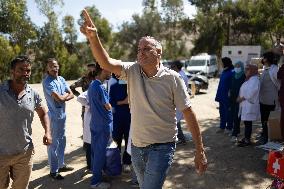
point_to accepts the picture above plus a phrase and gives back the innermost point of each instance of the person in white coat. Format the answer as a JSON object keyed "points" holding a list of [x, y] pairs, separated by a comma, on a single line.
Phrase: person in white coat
{"points": [[249, 102], [84, 100]]}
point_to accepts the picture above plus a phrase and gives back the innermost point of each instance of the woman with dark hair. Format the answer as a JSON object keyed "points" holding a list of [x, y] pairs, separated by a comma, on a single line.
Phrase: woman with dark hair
{"points": [[249, 102], [222, 94], [268, 95], [237, 80]]}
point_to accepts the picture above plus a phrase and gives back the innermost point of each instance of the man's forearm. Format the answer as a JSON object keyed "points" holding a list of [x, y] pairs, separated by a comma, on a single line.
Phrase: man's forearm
{"points": [[43, 116], [45, 123], [193, 126], [99, 52]]}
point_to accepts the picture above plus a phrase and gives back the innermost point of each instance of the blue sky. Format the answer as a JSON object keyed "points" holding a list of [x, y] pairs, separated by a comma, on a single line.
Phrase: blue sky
{"points": [[115, 11]]}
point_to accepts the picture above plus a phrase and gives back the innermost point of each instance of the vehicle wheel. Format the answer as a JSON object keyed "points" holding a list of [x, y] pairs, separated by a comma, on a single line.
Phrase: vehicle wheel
{"points": [[215, 73]]}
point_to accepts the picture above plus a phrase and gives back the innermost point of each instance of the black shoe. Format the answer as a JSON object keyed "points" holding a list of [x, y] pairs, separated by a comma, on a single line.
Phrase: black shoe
{"points": [[243, 143], [65, 168], [56, 176]]}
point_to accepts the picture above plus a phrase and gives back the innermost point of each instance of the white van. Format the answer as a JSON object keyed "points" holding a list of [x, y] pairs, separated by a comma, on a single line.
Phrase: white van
{"points": [[203, 63]]}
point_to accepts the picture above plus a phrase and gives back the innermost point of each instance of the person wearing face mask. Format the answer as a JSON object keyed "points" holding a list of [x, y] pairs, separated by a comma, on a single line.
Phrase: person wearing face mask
{"points": [[237, 80], [249, 102], [56, 92], [268, 95], [222, 95]]}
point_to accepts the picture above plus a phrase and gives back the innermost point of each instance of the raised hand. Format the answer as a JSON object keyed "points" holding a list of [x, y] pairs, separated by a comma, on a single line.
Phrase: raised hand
{"points": [[88, 28]]}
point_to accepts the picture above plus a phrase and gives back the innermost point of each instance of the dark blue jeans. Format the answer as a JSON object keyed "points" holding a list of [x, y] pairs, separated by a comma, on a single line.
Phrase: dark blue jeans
{"points": [[151, 164]]}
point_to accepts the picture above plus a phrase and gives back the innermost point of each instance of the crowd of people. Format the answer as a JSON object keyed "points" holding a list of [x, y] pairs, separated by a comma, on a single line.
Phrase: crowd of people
{"points": [[246, 95], [140, 107], [143, 105]]}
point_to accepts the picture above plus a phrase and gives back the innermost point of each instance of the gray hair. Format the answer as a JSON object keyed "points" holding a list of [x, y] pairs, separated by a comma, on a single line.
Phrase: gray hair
{"points": [[156, 43]]}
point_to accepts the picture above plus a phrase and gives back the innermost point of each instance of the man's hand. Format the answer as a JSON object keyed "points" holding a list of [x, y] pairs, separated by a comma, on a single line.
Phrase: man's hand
{"points": [[47, 139], [200, 162], [88, 28]]}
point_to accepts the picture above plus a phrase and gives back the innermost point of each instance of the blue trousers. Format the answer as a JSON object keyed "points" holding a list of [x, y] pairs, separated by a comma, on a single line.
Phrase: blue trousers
{"points": [[56, 150], [151, 164], [224, 113], [99, 144]]}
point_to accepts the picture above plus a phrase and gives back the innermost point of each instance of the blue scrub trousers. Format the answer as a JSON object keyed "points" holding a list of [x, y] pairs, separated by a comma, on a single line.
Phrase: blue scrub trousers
{"points": [[99, 142], [56, 150], [224, 113]]}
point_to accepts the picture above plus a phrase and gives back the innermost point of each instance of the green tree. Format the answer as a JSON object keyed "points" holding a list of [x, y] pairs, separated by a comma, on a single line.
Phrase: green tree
{"points": [[16, 24], [70, 33], [7, 52], [50, 41], [127, 39], [173, 18]]}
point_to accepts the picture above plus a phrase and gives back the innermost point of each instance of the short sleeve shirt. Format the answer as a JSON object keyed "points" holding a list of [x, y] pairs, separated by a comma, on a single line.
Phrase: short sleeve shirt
{"points": [[153, 102], [98, 96], [16, 115], [59, 86]]}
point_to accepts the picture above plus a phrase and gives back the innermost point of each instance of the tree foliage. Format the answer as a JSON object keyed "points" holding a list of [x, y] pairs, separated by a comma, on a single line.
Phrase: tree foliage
{"points": [[238, 22], [217, 23]]}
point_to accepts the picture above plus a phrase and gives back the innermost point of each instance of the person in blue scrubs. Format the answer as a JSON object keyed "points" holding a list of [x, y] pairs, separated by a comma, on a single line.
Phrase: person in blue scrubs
{"points": [[56, 92], [101, 124], [121, 117], [222, 95]]}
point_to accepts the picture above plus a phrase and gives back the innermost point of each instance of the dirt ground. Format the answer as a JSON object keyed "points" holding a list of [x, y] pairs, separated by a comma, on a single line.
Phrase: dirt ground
{"points": [[229, 166]]}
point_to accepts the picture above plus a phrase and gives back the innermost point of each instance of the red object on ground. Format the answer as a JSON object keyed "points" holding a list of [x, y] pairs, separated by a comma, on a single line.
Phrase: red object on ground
{"points": [[275, 164]]}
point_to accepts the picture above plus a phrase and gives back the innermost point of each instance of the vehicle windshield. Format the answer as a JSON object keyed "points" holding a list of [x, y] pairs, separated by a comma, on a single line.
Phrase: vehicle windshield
{"points": [[196, 63]]}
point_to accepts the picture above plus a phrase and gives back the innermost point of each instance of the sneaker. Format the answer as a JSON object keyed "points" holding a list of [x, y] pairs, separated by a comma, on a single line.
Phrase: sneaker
{"points": [[234, 139], [65, 168], [220, 130], [101, 185], [56, 176]]}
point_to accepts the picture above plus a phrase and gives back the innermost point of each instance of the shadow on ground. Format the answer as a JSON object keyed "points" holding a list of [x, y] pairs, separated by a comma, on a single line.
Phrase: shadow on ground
{"points": [[229, 166]]}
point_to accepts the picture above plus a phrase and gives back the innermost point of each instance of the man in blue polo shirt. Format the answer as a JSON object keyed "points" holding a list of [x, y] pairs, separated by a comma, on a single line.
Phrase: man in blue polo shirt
{"points": [[101, 123], [56, 92], [18, 101]]}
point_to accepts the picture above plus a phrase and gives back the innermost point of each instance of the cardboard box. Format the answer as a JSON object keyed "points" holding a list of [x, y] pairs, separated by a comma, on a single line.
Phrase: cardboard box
{"points": [[274, 130]]}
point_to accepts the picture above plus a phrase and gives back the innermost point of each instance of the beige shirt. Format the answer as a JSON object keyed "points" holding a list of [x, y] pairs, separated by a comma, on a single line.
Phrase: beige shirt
{"points": [[153, 102]]}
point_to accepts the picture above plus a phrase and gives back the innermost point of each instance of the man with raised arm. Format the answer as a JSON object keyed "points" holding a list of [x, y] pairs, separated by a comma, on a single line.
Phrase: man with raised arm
{"points": [[154, 94]]}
